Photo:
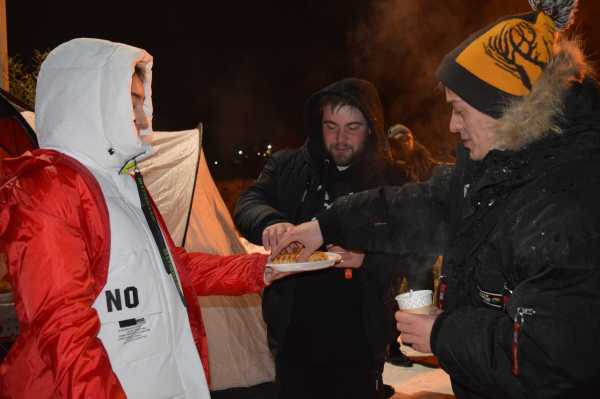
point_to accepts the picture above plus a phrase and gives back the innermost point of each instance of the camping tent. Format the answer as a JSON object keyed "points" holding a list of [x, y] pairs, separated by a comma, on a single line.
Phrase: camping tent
{"points": [[179, 180]]}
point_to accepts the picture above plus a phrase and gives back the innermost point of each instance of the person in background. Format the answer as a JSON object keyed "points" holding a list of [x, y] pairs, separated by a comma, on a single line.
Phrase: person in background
{"points": [[418, 163], [414, 156]]}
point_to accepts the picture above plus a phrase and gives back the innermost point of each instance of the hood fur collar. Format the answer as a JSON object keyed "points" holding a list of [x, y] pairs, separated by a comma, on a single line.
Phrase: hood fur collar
{"points": [[536, 116]]}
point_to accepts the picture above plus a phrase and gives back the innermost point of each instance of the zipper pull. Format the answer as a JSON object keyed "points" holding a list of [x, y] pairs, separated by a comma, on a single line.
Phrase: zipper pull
{"points": [[518, 322], [442, 288], [304, 195], [506, 295], [515, 344]]}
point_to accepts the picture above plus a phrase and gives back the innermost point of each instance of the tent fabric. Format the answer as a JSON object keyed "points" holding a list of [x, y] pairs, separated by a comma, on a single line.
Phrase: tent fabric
{"points": [[29, 117], [211, 229], [170, 176], [16, 105], [177, 176]]}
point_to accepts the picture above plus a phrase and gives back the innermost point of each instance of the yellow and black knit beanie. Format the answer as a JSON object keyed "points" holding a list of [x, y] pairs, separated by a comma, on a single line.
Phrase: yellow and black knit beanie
{"points": [[503, 61]]}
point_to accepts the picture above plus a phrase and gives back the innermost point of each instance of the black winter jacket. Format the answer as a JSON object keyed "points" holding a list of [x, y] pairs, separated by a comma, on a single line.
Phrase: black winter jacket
{"points": [[290, 189], [523, 222]]}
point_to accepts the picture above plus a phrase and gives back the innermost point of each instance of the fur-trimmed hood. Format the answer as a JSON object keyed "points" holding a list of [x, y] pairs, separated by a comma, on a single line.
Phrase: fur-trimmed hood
{"points": [[544, 111]]}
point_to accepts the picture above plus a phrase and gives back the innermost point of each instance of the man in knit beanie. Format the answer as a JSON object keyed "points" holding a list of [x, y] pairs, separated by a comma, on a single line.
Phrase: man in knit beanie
{"points": [[516, 219]]}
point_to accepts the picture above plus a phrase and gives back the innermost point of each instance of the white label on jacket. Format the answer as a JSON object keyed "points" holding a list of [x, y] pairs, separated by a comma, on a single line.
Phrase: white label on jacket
{"points": [[133, 330]]}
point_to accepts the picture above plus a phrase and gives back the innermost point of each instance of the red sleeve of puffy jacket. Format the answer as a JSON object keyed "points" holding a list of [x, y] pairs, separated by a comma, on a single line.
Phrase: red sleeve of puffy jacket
{"points": [[50, 266], [224, 275], [218, 274]]}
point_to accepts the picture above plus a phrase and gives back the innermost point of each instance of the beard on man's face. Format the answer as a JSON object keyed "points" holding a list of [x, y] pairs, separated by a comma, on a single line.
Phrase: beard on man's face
{"points": [[343, 154]]}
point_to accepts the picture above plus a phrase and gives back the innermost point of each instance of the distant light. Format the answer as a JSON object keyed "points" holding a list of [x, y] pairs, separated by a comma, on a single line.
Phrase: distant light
{"points": [[258, 153], [240, 152], [269, 146], [216, 162]]}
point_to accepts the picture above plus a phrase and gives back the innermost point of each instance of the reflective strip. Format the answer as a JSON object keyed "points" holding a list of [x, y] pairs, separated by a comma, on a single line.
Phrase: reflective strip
{"points": [[492, 299]]}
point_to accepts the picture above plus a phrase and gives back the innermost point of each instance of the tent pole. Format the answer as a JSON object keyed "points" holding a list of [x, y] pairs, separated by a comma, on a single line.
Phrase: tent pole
{"points": [[3, 47]]}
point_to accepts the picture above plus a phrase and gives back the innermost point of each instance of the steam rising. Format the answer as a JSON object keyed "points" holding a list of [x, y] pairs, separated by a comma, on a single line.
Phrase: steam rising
{"points": [[399, 48]]}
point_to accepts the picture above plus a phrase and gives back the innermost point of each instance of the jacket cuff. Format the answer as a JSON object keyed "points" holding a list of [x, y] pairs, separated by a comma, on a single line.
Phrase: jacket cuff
{"points": [[330, 227], [261, 271], [437, 326]]}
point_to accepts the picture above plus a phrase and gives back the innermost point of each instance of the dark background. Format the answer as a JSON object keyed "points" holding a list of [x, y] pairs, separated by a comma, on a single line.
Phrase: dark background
{"points": [[244, 69]]}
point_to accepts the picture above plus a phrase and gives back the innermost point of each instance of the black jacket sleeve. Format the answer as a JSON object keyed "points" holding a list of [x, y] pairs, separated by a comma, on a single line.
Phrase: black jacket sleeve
{"points": [[412, 218], [255, 209]]}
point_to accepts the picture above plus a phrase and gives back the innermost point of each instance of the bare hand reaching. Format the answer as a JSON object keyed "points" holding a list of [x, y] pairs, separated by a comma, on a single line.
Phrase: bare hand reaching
{"points": [[307, 235], [272, 234], [350, 259]]}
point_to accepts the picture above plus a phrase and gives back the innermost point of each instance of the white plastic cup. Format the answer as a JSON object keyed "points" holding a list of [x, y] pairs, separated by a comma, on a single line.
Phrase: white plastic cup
{"points": [[418, 302]]}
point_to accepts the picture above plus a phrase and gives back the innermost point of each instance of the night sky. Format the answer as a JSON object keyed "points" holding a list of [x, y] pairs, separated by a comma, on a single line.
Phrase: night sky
{"points": [[244, 69]]}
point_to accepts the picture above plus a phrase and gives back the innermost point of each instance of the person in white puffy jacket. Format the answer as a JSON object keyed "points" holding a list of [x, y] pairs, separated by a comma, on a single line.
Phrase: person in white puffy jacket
{"points": [[106, 302]]}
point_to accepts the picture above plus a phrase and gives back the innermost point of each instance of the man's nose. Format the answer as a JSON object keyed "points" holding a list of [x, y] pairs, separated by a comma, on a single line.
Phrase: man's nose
{"points": [[342, 136], [454, 124]]}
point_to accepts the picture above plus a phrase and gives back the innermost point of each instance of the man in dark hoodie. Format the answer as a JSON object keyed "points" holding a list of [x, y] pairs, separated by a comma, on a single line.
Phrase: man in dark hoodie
{"points": [[329, 329]]}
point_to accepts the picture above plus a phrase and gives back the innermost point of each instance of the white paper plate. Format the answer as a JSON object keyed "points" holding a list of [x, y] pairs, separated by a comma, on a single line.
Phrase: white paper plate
{"points": [[306, 266]]}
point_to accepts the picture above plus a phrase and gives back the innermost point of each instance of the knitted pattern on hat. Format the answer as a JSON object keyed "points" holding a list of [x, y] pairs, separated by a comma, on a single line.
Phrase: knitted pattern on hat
{"points": [[504, 61]]}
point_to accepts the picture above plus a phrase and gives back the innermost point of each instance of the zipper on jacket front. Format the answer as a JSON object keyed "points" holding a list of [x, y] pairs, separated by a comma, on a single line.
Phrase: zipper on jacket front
{"points": [[157, 233], [518, 322], [442, 288], [506, 295]]}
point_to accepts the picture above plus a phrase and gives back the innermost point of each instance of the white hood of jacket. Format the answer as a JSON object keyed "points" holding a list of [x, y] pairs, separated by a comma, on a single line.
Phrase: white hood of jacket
{"points": [[83, 101]]}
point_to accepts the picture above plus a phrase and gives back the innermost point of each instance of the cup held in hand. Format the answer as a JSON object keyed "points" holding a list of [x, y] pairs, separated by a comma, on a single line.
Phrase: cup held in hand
{"points": [[419, 302]]}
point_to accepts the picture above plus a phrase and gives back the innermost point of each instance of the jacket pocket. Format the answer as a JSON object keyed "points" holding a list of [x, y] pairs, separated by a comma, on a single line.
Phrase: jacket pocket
{"points": [[130, 307]]}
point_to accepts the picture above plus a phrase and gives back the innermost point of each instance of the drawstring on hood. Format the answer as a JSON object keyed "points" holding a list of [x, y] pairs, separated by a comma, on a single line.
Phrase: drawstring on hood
{"points": [[83, 102]]}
